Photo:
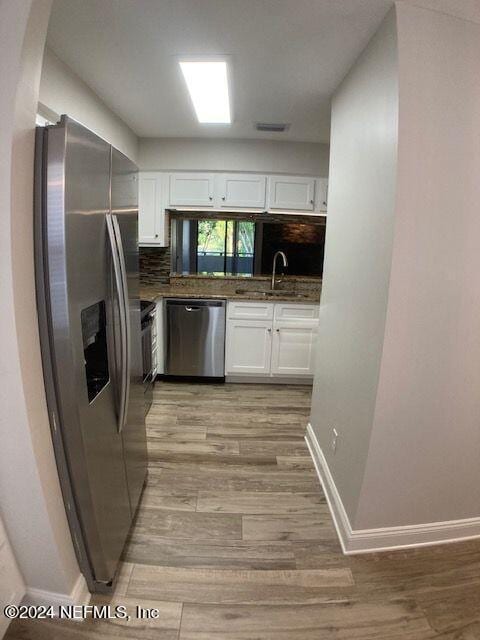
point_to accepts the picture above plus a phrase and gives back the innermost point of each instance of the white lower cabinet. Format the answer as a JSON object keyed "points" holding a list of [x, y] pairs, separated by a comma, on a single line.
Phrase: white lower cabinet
{"points": [[293, 350], [248, 347], [272, 347]]}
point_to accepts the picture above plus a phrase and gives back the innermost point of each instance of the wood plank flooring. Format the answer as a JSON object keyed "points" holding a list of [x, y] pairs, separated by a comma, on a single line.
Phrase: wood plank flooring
{"points": [[234, 540]]}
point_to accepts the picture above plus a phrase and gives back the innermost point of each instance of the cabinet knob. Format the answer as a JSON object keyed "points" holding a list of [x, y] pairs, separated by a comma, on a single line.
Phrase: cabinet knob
{"points": [[311, 201], [278, 330], [156, 235], [223, 197], [269, 330], [210, 197]]}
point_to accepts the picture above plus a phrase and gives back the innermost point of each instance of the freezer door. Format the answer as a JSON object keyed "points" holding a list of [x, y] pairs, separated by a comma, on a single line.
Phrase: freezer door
{"points": [[125, 219], [81, 329]]}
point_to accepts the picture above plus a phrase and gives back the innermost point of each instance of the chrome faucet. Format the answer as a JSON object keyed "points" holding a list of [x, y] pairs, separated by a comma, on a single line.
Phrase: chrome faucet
{"points": [[285, 264]]}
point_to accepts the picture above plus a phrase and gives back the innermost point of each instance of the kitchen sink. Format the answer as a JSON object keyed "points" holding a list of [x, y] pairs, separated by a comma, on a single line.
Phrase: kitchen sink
{"points": [[271, 294]]}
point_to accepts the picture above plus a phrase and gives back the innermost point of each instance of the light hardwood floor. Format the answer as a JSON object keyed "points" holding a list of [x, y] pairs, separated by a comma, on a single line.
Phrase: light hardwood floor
{"points": [[234, 540]]}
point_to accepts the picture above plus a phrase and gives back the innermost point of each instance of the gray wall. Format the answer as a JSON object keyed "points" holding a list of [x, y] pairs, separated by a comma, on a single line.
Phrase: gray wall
{"points": [[424, 460], [398, 371], [62, 91], [358, 252], [187, 154]]}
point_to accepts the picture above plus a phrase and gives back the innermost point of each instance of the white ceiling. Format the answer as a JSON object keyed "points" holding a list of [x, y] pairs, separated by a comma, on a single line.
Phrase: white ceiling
{"points": [[287, 57]]}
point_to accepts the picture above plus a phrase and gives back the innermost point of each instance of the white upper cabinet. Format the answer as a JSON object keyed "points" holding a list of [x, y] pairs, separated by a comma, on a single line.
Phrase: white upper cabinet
{"points": [[192, 189], [291, 193], [321, 195], [241, 190], [203, 191], [152, 220]]}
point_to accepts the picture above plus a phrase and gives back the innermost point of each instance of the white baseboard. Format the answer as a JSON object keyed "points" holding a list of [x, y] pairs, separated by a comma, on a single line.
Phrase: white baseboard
{"points": [[355, 541], [79, 595], [339, 515]]}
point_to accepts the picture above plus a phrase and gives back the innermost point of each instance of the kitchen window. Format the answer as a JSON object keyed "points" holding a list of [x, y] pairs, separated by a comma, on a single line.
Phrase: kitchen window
{"points": [[225, 247]]}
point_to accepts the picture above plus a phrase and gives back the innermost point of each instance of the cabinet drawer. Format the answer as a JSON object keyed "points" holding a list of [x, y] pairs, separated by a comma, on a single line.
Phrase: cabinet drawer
{"points": [[290, 311], [250, 310]]}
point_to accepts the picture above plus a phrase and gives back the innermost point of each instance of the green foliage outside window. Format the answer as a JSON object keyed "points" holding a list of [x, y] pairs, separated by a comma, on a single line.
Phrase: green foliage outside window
{"points": [[218, 237]]}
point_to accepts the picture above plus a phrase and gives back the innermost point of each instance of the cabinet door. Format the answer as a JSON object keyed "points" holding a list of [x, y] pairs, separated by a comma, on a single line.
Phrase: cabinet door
{"points": [[291, 193], [248, 347], [152, 219], [293, 350], [242, 190], [191, 189], [149, 199], [321, 194]]}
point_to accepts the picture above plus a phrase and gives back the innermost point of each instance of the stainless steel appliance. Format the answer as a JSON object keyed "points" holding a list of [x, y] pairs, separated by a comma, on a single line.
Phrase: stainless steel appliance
{"points": [[195, 338], [149, 365], [89, 315]]}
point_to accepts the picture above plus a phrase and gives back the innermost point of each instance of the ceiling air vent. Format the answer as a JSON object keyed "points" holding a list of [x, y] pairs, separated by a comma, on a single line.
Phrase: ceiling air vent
{"points": [[272, 127]]}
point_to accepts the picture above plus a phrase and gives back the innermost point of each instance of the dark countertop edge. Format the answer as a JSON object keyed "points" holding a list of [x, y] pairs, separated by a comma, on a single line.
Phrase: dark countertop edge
{"points": [[226, 296], [244, 279]]}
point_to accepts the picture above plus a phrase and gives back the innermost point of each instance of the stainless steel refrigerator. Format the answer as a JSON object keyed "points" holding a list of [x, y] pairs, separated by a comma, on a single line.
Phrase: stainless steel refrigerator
{"points": [[86, 248]]}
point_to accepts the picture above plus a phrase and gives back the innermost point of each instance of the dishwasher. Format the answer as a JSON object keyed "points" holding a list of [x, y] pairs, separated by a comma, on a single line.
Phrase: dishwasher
{"points": [[195, 338]]}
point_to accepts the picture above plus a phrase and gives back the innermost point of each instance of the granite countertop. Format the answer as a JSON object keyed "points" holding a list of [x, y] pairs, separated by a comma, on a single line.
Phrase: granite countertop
{"points": [[166, 291]]}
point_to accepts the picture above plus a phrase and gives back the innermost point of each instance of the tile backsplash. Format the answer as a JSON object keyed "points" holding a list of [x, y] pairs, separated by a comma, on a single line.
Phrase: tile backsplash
{"points": [[154, 265]]}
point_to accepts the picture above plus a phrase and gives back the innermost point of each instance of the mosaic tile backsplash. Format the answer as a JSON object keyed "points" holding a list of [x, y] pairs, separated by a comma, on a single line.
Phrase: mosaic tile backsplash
{"points": [[154, 266]]}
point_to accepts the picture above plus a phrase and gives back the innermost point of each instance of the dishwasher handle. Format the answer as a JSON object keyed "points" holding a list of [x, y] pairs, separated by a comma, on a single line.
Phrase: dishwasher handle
{"points": [[189, 309]]}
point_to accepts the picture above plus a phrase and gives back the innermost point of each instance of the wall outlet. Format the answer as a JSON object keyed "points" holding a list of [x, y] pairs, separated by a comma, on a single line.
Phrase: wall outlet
{"points": [[333, 442]]}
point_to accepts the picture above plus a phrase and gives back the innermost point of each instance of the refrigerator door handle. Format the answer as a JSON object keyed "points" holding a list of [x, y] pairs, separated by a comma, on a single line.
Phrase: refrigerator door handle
{"points": [[128, 333], [123, 328]]}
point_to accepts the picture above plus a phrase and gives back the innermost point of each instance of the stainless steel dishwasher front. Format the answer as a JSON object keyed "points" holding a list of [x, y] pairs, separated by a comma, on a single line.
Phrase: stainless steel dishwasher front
{"points": [[195, 338]]}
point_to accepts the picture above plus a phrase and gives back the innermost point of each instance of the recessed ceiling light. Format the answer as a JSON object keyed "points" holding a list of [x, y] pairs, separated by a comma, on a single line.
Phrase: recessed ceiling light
{"points": [[207, 82]]}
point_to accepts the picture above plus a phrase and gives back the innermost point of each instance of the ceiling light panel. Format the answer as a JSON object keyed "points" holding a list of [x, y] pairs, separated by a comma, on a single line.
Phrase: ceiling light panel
{"points": [[207, 83]]}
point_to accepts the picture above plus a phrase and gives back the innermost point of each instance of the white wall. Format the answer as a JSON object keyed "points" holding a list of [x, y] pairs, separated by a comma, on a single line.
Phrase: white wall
{"points": [[12, 586], [62, 91], [187, 154], [424, 460], [31, 504], [358, 254]]}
